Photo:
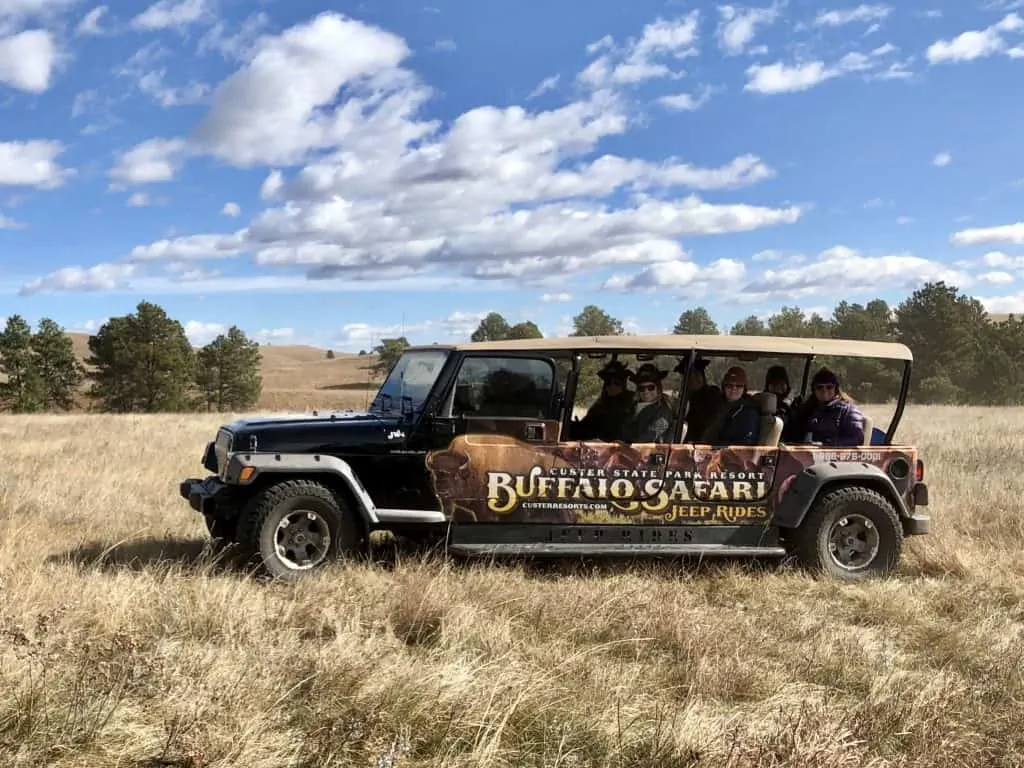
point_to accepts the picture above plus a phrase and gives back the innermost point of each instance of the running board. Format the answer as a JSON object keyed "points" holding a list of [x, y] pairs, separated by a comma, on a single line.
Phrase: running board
{"points": [[547, 549]]}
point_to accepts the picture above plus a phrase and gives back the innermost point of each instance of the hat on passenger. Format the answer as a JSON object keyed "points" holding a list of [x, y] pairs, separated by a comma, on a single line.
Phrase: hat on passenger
{"points": [[698, 365], [615, 370], [776, 373], [649, 372], [735, 375], [825, 376]]}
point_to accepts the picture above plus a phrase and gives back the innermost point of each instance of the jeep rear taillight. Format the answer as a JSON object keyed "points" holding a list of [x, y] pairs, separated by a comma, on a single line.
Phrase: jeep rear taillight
{"points": [[919, 471]]}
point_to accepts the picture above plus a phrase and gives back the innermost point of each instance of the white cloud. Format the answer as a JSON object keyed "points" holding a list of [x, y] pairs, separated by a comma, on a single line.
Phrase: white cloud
{"points": [[1012, 234], [685, 102], [237, 45], [190, 248], [153, 160], [861, 13], [545, 85], [273, 335], [500, 194], [152, 84], [90, 23], [170, 14], [8, 223], [1000, 259], [138, 200], [457, 326], [200, 334], [551, 297], [635, 61], [259, 116], [32, 164], [847, 270], [778, 77], [738, 26], [942, 159], [15, 14], [683, 278], [1012, 303], [27, 60], [231, 209], [101, 277], [996, 278], [977, 44]]}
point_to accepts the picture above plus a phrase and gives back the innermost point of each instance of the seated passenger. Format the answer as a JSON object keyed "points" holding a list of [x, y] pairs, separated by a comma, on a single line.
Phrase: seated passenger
{"points": [[702, 398], [776, 380], [738, 420], [652, 420], [613, 407], [827, 417]]}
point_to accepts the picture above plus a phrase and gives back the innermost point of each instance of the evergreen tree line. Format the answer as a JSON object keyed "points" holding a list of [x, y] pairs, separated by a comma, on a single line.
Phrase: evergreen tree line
{"points": [[962, 355], [139, 363], [144, 363]]}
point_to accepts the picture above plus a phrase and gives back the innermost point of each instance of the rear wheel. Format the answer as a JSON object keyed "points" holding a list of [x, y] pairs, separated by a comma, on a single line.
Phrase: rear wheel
{"points": [[298, 526], [852, 533]]}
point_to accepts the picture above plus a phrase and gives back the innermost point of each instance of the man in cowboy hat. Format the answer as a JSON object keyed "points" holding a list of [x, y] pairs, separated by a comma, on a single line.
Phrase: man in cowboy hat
{"points": [[613, 407], [702, 400], [652, 419]]}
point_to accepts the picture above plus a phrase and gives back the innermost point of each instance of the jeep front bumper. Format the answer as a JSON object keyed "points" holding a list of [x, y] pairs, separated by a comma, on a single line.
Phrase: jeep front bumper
{"points": [[203, 494]]}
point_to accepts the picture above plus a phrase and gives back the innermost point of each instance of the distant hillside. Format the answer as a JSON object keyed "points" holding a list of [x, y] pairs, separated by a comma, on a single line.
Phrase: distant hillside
{"points": [[300, 377]]}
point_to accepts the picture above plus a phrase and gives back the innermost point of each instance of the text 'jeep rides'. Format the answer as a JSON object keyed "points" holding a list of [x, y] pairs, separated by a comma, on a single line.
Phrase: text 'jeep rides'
{"points": [[479, 445]]}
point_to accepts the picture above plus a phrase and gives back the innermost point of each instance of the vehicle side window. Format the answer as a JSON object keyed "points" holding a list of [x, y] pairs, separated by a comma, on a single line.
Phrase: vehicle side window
{"points": [[504, 387]]}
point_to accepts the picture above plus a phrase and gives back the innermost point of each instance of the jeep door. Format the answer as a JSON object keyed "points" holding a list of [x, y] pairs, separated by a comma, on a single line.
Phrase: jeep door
{"points": [[503, 450], [724, 484]]}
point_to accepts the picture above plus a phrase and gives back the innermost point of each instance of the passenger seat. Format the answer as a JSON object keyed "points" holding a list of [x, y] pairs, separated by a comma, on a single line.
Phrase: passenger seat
{"points": [[771, 425]]}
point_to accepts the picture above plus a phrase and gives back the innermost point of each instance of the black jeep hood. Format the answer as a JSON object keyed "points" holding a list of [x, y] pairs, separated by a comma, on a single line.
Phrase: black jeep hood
{"points": [[334, 432]]}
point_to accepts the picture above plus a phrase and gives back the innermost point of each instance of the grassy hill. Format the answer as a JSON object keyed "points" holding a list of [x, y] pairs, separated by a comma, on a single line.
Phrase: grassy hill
{"points": [[300, 377]]}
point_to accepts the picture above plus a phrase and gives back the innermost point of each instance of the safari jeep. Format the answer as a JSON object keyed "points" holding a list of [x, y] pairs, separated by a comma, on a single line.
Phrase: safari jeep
{"points": [[481, 446]]}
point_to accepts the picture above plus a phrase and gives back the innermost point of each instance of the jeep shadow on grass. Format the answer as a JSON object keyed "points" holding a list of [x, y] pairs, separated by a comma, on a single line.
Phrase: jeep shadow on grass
{"points": [[483, 449]]}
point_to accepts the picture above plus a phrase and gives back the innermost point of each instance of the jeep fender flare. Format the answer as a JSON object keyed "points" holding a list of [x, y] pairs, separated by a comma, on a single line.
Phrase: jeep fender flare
{"points": [[806, 487], [302, 464]]}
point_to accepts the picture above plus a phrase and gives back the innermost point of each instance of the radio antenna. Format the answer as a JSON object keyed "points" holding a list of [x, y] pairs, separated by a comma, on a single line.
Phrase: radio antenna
{"points": [[369, 379]]}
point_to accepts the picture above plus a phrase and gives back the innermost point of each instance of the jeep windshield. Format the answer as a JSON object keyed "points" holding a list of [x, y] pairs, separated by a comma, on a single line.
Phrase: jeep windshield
{"points": [[409, 382]]}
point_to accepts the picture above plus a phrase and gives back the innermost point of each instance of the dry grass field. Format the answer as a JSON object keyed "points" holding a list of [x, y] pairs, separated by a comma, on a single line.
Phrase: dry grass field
{"points": [[124, 643]]}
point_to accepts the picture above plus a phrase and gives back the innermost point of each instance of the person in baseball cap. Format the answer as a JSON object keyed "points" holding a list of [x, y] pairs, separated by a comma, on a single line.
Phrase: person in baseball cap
{"points": [[738, 420]]}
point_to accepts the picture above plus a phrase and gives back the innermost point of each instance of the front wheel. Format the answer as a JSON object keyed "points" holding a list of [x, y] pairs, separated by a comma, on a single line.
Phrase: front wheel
{"points": [[852, 533], [298, 526]]}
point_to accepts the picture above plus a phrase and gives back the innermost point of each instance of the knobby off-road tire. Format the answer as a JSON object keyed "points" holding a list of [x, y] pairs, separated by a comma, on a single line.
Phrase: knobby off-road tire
{"points": [[852, 515], [297, 519]]}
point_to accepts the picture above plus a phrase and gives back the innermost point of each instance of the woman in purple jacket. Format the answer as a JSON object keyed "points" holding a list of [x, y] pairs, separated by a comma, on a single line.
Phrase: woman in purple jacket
{"points": [[827, 417]]}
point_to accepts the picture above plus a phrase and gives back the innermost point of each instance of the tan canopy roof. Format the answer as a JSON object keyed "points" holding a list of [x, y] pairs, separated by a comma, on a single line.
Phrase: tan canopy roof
{"points": [[676, 344]]}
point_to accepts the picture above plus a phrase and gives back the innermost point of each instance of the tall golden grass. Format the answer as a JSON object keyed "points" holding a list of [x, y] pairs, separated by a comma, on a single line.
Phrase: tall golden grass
{"points": [[124, 643]]}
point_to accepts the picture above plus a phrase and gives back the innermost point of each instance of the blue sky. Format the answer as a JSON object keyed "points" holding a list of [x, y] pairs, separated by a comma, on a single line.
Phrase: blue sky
{"points": [[329, 173]]}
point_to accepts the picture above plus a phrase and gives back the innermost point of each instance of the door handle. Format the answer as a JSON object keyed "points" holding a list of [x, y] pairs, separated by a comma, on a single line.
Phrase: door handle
{"points": [[657, 459], [534, 431]]}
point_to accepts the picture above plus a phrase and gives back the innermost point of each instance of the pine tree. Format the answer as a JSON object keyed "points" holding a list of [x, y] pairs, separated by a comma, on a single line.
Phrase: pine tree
{"points": [[60, 371], [23, 391], [228, 372], [143, 362]]}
